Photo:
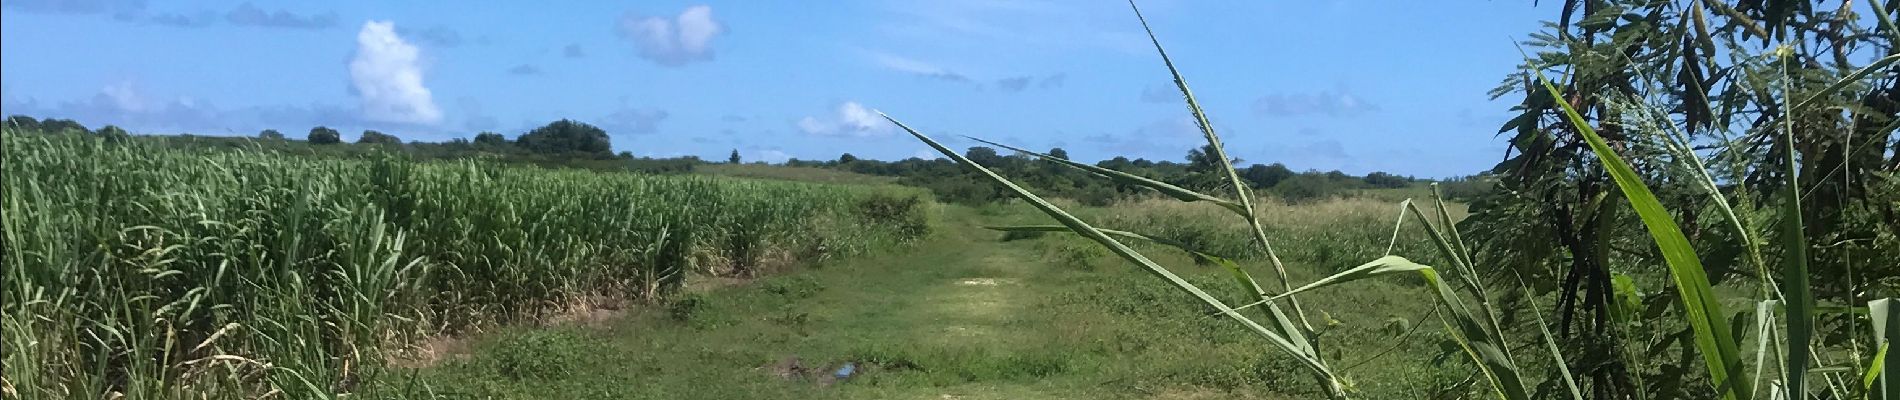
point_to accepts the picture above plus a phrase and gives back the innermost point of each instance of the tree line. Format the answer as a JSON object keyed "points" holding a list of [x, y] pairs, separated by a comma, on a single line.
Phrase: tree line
{"points": [[1199, 171], [574, 144]]}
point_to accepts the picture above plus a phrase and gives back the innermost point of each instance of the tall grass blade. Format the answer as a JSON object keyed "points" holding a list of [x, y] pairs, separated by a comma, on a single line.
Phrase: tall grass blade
{"points": [[1847, 80], [1550, 344], [1702, 309], [1796, 294], [1875, 368], [1886, 320], [1227, 165], [1764, 334], [1486, 348], [1334, 387]]}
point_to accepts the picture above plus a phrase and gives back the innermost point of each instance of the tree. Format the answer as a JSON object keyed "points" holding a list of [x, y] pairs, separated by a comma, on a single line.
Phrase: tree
{"points": [[1384, 180], [1204, 169], [56, 125], [324, 135], [375, 137], [1059, 153], [847, 158], [1265, 176], [23, 122], [1739, 83], [983, 155], [270, 134], [734, 158], [113, 133], [567, 136], [490, 139]]}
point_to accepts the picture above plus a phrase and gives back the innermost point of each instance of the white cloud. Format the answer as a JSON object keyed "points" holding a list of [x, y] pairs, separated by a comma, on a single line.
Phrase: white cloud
{"points": [[771, 156], [676, 41], [919, 68], [1329, 103], [387, 77], [124, 97], [851, 119], [634, 120]]}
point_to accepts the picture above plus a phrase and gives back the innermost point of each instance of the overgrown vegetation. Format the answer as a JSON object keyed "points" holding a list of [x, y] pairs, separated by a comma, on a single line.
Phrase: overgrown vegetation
{"points": [[953, 183], [153, 269], [1791, 145]]}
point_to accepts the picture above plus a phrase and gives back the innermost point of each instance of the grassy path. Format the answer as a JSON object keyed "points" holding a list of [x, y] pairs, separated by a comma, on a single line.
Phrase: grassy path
{"points": [[945, 319], [958, 316]]}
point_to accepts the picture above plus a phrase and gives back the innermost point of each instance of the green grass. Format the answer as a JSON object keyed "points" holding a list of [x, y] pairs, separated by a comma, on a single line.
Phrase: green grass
{"points": [[970, 316]]}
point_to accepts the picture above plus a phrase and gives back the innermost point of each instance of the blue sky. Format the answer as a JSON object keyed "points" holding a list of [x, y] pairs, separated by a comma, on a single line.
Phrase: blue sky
{"points": [[1351, 85]]}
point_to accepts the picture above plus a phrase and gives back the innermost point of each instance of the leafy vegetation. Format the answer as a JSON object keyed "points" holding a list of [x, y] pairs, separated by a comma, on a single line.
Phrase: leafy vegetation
{"points": [[151, 270], [1702, 193], [1571, 155]]}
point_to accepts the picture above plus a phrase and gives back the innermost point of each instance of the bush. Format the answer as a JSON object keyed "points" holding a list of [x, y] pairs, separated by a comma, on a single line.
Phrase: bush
{"points": [[903, 213], [796, 287], [1310, 187], [567, 136], [323, 135], [684, 308], [536, 355], [375, 137]]}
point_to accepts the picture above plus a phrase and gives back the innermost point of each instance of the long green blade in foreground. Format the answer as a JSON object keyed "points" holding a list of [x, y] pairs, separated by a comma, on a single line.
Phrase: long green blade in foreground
{"points": [[1335, 388], [1886, 317], [1701, 308], [1485, 348], [1233, 178], [1794, 277]]}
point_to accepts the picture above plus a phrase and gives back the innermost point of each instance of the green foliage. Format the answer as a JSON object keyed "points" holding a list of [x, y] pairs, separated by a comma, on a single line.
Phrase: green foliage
{"points": [[1265, 176], [904, 215], [1711, 123], [535, 355], [686, 307], [1309, 187], [378, 138], [490, 139], [323, 135], [23, 122], [734, 158], [245, 271], [1388, 181], [57, 125], [567, 137], [270, 134], [113, 133]]}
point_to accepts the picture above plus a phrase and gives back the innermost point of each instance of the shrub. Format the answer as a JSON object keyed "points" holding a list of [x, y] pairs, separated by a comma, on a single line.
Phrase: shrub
{"points": [[902, 213], [536, 354]]}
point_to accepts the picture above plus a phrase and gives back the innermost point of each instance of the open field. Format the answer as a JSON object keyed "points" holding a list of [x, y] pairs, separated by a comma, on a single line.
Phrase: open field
{"points": [[968, 315]]}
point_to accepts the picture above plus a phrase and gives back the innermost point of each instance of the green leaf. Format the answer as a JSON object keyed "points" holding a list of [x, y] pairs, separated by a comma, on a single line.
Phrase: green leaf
{"points": [[1875, 368], [1233, 177], [1886, 322], [1550, 344], [1485, 348], [1848, 80], [1701, 308], [1796, 294]]}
